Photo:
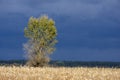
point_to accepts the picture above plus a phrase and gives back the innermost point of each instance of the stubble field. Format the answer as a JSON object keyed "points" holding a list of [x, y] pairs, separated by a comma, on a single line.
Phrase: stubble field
{"points": [[59, 73]]}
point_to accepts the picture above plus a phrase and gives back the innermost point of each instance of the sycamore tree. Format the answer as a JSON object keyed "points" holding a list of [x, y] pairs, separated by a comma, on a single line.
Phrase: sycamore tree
{"points": [[41, 34]]}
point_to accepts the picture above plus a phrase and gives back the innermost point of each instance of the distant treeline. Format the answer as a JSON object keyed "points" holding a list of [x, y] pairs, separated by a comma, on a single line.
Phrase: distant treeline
{"points": [[12, 62], [65, 63], [86, 64]]}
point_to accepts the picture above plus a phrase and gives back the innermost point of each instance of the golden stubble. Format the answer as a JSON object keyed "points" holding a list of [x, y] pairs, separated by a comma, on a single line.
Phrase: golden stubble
{"points": [[58, 73]]}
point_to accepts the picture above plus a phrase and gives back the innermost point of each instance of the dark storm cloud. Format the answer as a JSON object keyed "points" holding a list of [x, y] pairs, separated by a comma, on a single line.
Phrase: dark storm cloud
{"points": [[11, 54], [86, 54], [84, 26], [66, 7]]}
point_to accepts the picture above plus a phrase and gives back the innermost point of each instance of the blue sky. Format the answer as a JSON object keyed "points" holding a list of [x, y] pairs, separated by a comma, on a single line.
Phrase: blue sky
{"points": [[88, 30]]}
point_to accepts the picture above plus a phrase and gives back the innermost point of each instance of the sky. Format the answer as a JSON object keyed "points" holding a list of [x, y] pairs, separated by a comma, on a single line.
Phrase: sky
{"points": [[88, 30]]}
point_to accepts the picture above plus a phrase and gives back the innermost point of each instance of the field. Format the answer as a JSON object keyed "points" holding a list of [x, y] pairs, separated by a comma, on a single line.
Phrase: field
{"points": [[58, 73]]}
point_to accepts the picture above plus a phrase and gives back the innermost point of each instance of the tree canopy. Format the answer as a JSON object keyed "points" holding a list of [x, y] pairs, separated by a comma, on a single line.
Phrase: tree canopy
{"points": [[41, 33]]}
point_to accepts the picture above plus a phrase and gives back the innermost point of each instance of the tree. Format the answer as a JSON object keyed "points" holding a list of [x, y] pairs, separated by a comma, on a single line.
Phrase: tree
{"points": [[41, 33]]}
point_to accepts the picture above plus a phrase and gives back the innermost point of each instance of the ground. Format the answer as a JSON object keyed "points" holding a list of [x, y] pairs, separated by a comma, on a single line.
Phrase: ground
{"points": [[58, 73]]}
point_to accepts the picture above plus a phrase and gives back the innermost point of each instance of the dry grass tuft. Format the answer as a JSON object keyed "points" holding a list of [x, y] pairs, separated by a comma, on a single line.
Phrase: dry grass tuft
{"points": [[61, 73]]}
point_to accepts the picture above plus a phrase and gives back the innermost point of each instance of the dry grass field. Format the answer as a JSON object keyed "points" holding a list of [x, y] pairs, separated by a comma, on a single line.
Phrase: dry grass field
{"points": [[58, 73]]}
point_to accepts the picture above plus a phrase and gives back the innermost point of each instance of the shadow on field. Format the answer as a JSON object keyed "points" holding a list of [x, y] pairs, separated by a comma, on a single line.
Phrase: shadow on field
{"points": [[65, 64]]}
